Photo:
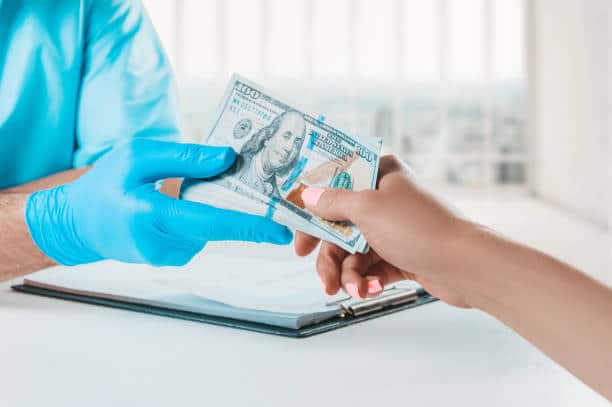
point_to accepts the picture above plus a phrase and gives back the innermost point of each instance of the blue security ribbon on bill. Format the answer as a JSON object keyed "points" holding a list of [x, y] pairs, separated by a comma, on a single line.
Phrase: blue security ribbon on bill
{"points": [[295, 173]]}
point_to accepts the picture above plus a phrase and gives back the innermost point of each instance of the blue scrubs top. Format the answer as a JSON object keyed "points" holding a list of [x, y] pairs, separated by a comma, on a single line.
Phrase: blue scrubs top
{"points": [[76, 77]]}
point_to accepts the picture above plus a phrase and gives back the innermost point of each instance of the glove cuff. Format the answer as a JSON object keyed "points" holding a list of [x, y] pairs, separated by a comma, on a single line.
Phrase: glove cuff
{"points": [[51, 224]]}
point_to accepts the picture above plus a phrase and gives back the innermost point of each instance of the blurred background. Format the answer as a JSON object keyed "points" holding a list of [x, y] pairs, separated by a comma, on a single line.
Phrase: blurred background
{"points": [[442, 82], [502, 106]]}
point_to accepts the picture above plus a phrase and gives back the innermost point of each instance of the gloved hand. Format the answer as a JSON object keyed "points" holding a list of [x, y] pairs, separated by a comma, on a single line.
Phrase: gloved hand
{"points": [[115, 212]]}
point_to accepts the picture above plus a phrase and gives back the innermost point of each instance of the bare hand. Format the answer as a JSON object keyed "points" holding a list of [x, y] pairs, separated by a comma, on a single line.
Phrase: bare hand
{"points": [[408, 231]]}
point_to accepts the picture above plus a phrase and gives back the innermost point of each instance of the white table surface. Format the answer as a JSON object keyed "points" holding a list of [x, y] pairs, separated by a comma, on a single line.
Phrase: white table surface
{"points": [[59, 353]]}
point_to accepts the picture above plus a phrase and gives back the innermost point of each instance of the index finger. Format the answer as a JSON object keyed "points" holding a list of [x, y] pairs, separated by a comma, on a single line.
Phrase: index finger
{"points": [[388, 165], [304, 244]]}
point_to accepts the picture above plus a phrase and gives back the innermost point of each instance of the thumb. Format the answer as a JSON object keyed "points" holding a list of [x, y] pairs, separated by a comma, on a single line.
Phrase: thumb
{"points": [[154, 160], [334, 204]]}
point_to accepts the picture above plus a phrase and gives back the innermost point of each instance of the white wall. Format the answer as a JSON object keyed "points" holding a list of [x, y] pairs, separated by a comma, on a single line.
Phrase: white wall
{"points": [[571, 75]]}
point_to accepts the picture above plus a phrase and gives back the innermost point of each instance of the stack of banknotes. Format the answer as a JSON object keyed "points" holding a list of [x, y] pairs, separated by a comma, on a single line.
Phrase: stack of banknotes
{"points": [[281, 151]]}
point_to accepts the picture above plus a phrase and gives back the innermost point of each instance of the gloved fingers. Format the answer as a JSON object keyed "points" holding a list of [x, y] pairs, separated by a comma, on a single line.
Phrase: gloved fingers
{"points": [[153, 160], [193, 220]]}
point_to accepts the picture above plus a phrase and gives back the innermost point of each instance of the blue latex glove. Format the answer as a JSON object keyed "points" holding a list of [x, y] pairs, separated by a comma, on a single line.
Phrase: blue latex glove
{"points": [[115, 212]]}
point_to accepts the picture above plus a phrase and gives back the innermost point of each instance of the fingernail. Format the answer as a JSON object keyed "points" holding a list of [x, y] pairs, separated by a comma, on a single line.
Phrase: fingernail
{"points": [[374, 287], [351, 289], [311, 195]]}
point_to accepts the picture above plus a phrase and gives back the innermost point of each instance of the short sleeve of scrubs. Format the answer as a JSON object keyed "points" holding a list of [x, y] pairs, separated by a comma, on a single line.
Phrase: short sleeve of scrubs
{"points": [[127, 87], [78, 77]]}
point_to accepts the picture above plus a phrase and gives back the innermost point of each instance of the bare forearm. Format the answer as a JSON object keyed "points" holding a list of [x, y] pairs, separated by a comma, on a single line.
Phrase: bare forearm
{"points": [[18, 253], [50, 181], [562, 311]]}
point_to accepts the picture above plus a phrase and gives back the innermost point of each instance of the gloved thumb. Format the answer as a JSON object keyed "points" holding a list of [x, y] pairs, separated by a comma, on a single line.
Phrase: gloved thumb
{"points": [[333, 204], [154, 160]]}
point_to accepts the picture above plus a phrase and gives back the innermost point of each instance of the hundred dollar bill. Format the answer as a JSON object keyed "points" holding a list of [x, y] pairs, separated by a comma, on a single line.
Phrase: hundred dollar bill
{"points": [[281, 151]]}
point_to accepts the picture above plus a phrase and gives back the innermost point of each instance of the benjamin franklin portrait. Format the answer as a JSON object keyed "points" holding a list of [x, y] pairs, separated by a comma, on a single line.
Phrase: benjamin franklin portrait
{"points": [[271, 153]]}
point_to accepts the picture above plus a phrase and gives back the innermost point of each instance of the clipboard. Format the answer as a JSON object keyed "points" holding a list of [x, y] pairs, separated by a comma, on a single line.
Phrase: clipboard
{"points": [[355, 311]]}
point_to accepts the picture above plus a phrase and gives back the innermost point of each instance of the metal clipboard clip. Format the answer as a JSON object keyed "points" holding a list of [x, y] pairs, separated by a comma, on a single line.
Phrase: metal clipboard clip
{"points": [[392, 296]]}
